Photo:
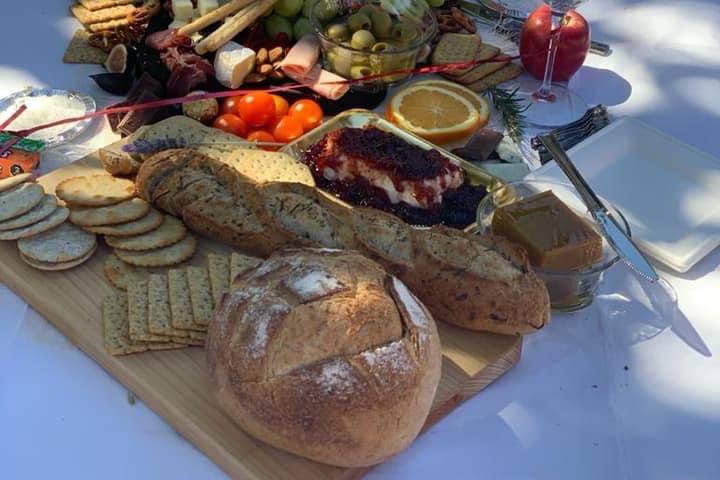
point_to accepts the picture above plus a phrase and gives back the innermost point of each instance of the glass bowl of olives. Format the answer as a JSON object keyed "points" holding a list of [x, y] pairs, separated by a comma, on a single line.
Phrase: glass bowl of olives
{"points": [[363, 38]]}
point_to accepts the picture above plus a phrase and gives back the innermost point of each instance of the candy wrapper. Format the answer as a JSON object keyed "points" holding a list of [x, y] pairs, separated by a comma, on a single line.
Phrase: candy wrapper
{"points": [[22, 157]]}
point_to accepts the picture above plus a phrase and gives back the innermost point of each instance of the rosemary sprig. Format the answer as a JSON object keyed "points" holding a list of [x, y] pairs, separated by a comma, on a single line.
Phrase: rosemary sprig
{"points": [[511, 108]]}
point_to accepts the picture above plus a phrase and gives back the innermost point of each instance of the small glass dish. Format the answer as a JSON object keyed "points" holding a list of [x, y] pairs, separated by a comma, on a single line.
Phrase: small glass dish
{"points": [[569, 290], [397, 45], [45, 105]]}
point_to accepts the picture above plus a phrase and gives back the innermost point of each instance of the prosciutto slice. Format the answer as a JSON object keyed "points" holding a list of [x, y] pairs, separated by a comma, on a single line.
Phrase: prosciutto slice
{"points": [[165, 39], [301, 65], [187, 71]]}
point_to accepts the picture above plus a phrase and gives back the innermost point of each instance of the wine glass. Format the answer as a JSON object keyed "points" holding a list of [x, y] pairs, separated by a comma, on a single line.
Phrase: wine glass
{"points": [[553, 104]]}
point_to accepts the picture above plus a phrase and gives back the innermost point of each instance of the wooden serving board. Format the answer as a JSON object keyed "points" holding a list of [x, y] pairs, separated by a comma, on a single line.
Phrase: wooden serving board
{"points": [[174, 383]]}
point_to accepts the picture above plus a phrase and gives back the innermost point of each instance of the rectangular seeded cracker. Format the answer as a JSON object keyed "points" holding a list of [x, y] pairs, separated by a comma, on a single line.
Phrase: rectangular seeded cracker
{"points": [[93, 5], [159, 316], [138, 314], [180, 304], [115, 327], [508, 72], [80, 51], [456, 48], [200, 296], [240, 264], [88, 17], [219, 272]]}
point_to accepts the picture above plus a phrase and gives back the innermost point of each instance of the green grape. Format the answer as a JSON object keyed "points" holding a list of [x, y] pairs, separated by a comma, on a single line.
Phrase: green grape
{"points": [[359, 21], [359, 71], [367, 9], [307, 8], [338, 32], [362, 39], [325, 10], [302, 27], [288, 8], [381, 23], [275, 25], [435, 3]]}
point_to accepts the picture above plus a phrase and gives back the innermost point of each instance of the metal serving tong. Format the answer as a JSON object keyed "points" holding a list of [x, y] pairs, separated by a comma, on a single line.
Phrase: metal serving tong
{"points": [[608, 225], [509, 22]]}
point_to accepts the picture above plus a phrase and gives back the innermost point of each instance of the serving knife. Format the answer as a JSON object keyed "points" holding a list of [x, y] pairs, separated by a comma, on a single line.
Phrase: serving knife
{"points": [[608, 225]]}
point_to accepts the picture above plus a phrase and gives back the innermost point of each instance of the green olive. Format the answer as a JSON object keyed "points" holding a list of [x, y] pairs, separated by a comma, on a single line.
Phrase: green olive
{"points": [[381, 23], [362, 39], [359, 71], [338, 32], [325, 10], [405, 32], [359, 21], [340, 62], [380, 47], [367, 9]]}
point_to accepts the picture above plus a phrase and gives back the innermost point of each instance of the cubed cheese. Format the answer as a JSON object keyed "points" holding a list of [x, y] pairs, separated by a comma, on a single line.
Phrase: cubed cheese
{"points": [[182, 9], [207, 6], [233, 63]]}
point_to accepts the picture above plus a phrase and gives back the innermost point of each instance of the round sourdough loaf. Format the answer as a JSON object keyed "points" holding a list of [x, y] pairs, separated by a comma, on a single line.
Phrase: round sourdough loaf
{"points": [[323, 354]]}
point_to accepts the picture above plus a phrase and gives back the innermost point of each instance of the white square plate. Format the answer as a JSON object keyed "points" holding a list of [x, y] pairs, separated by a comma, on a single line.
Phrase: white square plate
{"points": [[668, 191]]}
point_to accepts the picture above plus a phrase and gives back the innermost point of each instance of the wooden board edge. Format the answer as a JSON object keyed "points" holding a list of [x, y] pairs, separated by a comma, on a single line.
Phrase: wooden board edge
{"points": [[474, 385]]}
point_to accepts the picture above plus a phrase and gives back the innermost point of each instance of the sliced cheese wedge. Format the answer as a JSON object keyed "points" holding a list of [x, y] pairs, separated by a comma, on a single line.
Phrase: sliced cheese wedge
{"points": [[233, 63], [182, 9]]}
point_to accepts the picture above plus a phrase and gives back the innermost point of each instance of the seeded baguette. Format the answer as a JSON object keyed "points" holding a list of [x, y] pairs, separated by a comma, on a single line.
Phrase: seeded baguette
{"points": [[475, 282]]}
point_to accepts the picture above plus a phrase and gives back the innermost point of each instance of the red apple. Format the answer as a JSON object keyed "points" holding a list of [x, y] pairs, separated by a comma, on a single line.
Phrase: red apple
{"points": [[572, 49]]}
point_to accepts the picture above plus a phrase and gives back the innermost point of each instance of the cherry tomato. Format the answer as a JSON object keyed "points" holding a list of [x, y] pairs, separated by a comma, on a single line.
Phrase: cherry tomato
{"points": [[262, 136], [308, 112], [229, 105], [256, 108], [272, 123], [231, 123], [288, 129], [281, 106]]}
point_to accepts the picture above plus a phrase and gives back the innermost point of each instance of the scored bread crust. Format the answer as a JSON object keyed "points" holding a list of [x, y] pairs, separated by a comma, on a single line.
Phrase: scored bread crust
{"points": [[323, 354], [473, 281]]}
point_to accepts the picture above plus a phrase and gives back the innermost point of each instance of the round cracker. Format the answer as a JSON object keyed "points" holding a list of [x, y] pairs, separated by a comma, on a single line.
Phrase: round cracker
{"points": [[10, 182], [121, 274], [58, 216], [63, 243], [49, 266], [47, 205], [122, 212], [20, 199], [149, 222], [95, 190], [160, 257], [169, 232]]}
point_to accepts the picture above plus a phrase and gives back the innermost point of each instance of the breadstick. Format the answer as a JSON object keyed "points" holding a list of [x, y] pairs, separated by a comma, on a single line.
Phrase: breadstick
{"points": [[214, 16], [234, 25]]}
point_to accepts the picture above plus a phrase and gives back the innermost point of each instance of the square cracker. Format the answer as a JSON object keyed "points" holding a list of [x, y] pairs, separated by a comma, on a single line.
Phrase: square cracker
{"points": [[180, 304], [240, 264], [88, 17], [219, 272], [484, 53], [109, 25], [508, 72], [80, 51], [482, 71], [456, 48], [200, 296], [159, 316], [93, 5], [138, 314], [115, 327]]}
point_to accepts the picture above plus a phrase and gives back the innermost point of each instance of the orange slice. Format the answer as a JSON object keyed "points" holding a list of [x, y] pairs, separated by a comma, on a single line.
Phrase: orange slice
{"points": [[436, 114], [478, 102]]}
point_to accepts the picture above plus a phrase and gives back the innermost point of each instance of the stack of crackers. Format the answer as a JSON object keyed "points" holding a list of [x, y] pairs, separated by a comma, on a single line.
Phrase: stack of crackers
{"points": [[98, 16], [140, 235], [461, 48], [33, 218], [160, 310]]}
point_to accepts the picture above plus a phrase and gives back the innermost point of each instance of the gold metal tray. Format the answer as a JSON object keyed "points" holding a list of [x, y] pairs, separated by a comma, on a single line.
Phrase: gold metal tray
{"points": [[358, 118]]}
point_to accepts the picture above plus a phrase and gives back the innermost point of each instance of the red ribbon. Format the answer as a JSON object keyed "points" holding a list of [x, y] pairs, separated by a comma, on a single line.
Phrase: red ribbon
{"points": [[231, 93]]}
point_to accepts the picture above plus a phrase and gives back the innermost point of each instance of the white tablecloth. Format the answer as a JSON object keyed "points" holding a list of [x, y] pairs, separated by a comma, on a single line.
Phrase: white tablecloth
{"points": [[628, 388]]}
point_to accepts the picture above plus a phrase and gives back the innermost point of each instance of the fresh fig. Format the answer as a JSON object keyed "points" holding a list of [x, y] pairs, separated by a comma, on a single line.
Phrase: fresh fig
{"points": [[117, 59]]}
